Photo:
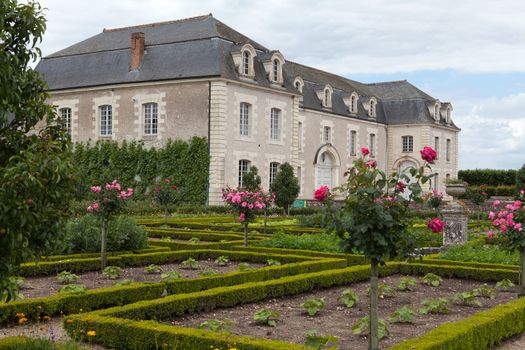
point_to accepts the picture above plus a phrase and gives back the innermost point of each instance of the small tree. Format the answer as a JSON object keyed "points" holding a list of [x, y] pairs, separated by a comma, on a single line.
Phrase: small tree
{"points": [[164, 194], [109, 201], [251, 180], [36, 172], [286, 187]]}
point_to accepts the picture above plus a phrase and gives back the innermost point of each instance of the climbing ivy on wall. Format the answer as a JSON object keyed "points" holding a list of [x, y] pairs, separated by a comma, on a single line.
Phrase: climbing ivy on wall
{"points": [[134, 165]]}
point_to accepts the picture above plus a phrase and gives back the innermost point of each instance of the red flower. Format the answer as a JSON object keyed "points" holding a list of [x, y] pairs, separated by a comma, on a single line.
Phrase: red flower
{"points": [[321, 194], [365, 151], [436, 225], [400, 186], [371, 163], [428, 154]]}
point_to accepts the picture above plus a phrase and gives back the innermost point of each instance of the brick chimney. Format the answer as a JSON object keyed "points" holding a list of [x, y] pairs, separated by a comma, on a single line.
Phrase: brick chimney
{"points": [[137, 50]]}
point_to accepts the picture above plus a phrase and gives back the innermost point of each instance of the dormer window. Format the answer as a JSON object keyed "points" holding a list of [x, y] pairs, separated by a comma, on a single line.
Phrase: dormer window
{"points": [[372, 108], [436, 112], [276, 65], [449, 115], [246, 62], [353, 103], [326, 101], [299, 83]]}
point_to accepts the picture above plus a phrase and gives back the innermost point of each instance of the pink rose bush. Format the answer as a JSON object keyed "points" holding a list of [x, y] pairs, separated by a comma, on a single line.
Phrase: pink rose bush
{"points": [[428, 154], [109, 198], [164, 193], [245, 204]]}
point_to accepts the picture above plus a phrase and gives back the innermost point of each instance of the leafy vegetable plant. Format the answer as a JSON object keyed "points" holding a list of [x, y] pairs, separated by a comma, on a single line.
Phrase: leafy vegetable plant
{"points": [[222, 260], [217, 326], [313, 306], [112, 272], [72, 288], [384, 291], [505, 285], [170, 276], [349, 298], [151, 269], [318, 341], [267, 317], [244, 266], [434, 306], [406, 284], [191, 263], [66, 277], [194, 240], [466, 298], [272, 262], [361, 327], [485, 291], [124, 282], [433, 280], [208, 272], [404, 314]]}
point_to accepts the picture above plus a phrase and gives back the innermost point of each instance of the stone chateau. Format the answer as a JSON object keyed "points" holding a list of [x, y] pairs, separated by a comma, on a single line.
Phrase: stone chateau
{"points": [[199, 77]]}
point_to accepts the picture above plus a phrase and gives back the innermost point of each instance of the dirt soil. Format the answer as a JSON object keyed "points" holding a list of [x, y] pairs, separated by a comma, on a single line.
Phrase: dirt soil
{"points": [[336, 319], [45, 286]]}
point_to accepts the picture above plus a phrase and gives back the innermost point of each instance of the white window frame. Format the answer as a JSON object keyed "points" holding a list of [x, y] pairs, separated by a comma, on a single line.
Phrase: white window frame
{"points": [[246, 56], [244, 119], [372, 107], [407, 143], [106, 120], [66, 115], [273, 169], [244, 166], [150, 113], [353, 142], [275, 69], [275, 124]]}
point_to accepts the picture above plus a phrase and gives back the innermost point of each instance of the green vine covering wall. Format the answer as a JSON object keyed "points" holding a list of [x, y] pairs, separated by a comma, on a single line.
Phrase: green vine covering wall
{"points": [[184, 162]]}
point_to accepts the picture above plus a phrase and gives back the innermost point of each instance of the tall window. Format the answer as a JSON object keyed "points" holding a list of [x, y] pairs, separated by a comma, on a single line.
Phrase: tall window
{"points": [[448, 150], [436, 182], [353, 104], [408, 143], [299, 177], [275, 66], [372, 111], [106, 120], [65, 114], [436, 145], [244, 121], [326, 98], [372, 144], [245, 62], [327, 133], [300, 134], [448, 115], [151, 120], [274, 168], [436, 112], [244, 165], [275, 131], [353, 142]]}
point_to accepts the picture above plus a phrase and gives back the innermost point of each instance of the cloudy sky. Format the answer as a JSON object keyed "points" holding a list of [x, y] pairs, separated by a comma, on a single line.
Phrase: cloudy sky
{"points": [[469, 52]]}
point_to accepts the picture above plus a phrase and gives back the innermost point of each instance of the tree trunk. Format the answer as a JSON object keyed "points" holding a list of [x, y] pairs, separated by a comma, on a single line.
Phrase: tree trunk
{"points": [[373, 340], [103, 243], [165, 216], [288, 210], [265, 219], [522, 273], [246, 235]]}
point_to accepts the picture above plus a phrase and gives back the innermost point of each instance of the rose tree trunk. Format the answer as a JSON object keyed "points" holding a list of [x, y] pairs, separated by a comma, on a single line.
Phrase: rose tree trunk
{"points": [[246, 235], [373, 340], [103, 242], [522, 272]]}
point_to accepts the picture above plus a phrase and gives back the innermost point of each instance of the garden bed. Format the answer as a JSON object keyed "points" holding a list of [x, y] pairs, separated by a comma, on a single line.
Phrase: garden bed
{"points": [[337, 320], [45, 286]]}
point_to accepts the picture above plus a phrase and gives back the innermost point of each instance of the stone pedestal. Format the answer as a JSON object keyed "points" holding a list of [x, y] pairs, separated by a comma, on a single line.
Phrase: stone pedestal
{"points": [[455, 216]]}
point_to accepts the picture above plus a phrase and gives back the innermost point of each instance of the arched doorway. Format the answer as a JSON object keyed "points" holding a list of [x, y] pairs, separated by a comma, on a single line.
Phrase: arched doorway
{"points": [[327, 166], [403, 169]]}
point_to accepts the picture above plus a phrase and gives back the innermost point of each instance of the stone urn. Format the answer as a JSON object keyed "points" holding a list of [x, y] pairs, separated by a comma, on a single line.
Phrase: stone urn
{"points": [[455, 190]]}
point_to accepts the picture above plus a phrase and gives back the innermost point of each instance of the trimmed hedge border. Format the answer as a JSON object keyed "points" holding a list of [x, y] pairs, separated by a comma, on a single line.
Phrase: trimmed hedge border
{"points": [[148, 332], [194, 246], [151, 249], [22, 343], [108, 297], [213, 236]]}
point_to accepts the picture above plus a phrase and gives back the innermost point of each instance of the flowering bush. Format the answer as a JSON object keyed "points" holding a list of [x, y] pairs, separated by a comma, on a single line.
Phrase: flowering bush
{"points": [[164, 193], [373, 216], [244, 205], [435, 199], [109, 201], [508, 222]]}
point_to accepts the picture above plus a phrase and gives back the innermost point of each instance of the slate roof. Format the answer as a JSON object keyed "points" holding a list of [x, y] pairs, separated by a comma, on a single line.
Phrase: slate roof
{"points": [[201, 47]]}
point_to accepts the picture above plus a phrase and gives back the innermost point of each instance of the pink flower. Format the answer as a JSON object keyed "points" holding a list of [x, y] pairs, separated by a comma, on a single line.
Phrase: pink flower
{"points": [[428, 154], [518, 227], [322, 193], [437, 193], [244, 204], [400, 186], [517, 205], [496, 203], [484, 194], [371, 163], [96, 189], [490, 234], [492, 215], [503, 228], [365, 151], [242, 217], [436, 225], [522, 192]]}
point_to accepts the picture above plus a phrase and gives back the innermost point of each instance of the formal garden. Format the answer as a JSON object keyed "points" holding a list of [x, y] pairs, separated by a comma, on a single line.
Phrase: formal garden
{"points": [[112, 246]]}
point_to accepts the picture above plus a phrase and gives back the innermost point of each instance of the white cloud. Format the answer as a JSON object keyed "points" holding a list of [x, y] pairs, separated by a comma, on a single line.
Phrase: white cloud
{"points": [[493, 133]]}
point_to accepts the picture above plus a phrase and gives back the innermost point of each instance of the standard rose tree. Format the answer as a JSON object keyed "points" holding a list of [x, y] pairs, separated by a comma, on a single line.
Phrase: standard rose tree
{"points": [[163, 193], [245, 204], [372, 217], [110, 199], [508, 222]]}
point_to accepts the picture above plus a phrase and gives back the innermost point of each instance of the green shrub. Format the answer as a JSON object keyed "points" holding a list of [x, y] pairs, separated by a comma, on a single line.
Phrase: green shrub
{"points": [[217, 326], [431, 279], [318, 242], [222, 260], [244, 266], [170, 276], [152, 269], [520, 179], [466, 298], [479, 252], [112, 272], [349, 298], [208, 272], [267, 317], [191, 263], [384, 291], [82, 235], [434, 306], [485, 292], [318, 341], [72, 288], [490, 177], [66, 277], [505, 285], [406, 283], [362, 325], [404, 314], [313, 306], [273, 262], [124, 282]]}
